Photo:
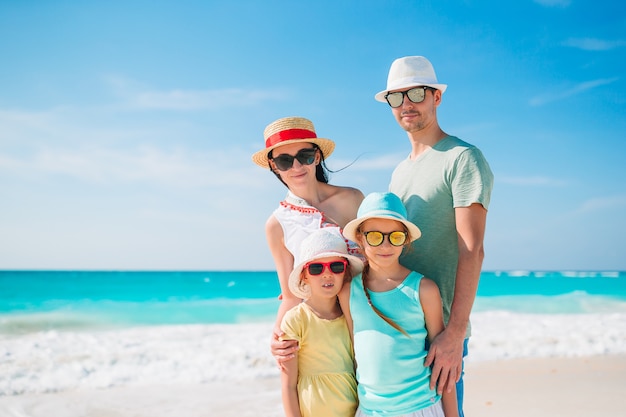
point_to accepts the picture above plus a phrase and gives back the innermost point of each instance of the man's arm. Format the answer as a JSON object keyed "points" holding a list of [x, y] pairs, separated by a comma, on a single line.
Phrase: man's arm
{"points": [[446, 351]]}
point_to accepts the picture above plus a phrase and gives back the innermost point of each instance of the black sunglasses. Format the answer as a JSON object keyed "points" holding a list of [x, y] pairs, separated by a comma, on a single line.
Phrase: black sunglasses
{"points": [[416, 95], [336, 267], [284, 161]]}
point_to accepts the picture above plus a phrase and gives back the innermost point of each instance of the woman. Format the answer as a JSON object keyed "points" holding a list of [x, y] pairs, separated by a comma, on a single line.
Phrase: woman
{"points": [[295, 154]]}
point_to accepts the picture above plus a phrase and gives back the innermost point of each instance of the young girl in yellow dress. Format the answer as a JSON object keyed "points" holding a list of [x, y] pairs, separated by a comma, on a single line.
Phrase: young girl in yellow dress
{"points": [[321, 380]]}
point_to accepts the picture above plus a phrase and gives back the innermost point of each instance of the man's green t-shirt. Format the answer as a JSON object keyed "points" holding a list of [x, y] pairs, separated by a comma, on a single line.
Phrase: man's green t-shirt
{"points": [[451, 174]]}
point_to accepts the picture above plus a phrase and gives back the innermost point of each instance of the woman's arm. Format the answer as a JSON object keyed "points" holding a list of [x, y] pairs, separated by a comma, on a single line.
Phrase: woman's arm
{"points": [[283, 259], [430, 298]]}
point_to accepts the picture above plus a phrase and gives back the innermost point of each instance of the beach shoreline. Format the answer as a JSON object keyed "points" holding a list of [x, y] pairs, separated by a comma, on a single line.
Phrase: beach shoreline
{"points": [[579, 386]]}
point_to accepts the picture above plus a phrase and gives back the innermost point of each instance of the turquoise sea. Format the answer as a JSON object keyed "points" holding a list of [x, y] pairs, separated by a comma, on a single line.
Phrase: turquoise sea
{"points": [[74, 330], [32, 301]]}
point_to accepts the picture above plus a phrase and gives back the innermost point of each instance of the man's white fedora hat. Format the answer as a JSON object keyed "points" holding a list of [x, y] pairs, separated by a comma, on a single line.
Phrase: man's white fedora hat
{"points": [[410, 71]]}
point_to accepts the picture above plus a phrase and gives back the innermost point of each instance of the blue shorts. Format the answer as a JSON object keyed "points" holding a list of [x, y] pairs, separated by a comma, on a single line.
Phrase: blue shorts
{"points": [[459, 385]]}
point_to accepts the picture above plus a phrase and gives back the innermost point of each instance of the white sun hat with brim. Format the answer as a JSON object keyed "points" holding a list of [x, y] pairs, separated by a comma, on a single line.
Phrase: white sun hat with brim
{"points": [[381, 206], [290, 130], [410, 71], [322, 243]]}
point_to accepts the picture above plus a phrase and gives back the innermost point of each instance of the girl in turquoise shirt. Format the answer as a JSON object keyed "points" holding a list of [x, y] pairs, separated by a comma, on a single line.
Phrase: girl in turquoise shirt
{"points": [[392, 312]]}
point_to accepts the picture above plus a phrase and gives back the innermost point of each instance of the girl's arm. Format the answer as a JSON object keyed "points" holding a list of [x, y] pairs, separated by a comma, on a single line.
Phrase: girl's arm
{"points": [[281, 350], [344, 302], [289, 386], [430, 298]]}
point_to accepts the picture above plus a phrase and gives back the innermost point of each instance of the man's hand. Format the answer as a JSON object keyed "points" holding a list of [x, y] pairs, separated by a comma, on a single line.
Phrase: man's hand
{"points": [[446, 357], [282, 350]]}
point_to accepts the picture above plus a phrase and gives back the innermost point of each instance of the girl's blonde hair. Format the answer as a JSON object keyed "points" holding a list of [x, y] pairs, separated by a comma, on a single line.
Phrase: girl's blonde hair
{"points": [[406, 244]]}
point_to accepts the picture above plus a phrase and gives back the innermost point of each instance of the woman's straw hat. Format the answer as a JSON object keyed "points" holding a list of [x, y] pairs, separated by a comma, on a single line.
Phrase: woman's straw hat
{"points": [[321, 243], [410, 71], [290, 130], [381, 206]]}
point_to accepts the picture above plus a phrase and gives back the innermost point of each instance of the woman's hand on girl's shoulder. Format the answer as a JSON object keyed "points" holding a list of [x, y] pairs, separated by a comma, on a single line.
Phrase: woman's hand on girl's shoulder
{"points": [[283, 350]]}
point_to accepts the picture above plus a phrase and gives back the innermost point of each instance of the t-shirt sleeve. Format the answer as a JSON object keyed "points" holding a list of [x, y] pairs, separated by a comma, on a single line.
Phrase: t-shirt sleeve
{"points": [[292, 325], [472, 179]]}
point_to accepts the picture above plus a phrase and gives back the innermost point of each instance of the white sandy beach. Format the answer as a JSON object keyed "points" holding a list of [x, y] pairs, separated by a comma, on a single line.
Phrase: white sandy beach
{"points": [[519, 364], [573, 387]]}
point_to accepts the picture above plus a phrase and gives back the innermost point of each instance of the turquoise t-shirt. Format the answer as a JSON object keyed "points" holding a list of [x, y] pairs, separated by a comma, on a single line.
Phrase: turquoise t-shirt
{"points": [[392, 379], [451, 174]]}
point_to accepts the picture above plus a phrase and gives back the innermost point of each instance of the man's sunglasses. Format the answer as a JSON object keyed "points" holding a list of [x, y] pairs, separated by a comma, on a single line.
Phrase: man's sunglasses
{"points": [[336, 267], [374, 238], [416, 95], [284, 161]]}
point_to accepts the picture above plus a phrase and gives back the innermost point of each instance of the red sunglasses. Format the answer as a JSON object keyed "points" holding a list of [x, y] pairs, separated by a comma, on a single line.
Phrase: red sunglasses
{"points": [[336, 267]]}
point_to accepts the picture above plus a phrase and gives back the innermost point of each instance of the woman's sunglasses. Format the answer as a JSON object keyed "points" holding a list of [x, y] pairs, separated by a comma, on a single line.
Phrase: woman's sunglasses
{"points": [[374, 238], [416, 95], [284, 161], [336, 267]]}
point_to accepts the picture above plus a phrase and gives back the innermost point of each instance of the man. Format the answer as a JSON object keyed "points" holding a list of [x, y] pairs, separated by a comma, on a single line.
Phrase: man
{"points": [[446, 185]]}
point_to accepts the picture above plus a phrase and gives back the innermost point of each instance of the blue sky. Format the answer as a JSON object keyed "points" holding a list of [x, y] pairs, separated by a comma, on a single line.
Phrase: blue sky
{"points": [[126, 127]]}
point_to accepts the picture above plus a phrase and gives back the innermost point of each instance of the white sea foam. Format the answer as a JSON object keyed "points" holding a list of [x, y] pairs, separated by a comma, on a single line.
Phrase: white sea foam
{"points": [[55, 361], [505, 335]]}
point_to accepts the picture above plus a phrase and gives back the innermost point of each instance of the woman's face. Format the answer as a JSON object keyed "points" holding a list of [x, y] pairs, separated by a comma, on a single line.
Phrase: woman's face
{"points": [[298, 173]]}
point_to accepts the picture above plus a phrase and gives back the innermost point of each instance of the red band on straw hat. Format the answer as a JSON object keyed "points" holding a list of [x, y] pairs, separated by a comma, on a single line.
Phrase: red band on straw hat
{"points": [[289, 134]]}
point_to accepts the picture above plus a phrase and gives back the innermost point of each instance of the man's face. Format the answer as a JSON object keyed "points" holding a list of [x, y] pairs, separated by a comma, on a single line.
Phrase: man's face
{"points": [[417, 116]]}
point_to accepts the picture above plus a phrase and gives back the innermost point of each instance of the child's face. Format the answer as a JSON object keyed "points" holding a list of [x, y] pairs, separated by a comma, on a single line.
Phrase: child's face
{"points": [[385, 253], [326, 284]]}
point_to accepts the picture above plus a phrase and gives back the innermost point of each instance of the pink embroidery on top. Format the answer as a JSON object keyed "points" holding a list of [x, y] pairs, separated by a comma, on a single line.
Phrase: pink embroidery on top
{"points": [[310, 210]]}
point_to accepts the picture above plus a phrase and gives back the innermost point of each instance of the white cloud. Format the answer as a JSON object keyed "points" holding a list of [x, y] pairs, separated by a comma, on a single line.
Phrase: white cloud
{"points": [[200, 100], [102, 146], [16, 125], [604, 203], [138, 96], [72, 125], [146, 164], [577, 89], [593, 44], [533, 181]]}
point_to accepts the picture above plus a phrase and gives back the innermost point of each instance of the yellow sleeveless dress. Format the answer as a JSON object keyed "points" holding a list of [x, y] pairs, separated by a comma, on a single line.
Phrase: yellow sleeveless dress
{"points": [[326, 376]]}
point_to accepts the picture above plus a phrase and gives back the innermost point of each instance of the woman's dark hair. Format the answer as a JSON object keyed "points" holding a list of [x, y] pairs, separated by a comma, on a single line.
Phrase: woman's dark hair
{"points": [[321, 170]]}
